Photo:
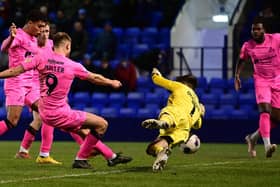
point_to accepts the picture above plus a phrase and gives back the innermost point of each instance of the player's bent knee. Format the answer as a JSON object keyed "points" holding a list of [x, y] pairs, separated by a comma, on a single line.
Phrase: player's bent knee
{"points": [[150, 150], [11, 124]]}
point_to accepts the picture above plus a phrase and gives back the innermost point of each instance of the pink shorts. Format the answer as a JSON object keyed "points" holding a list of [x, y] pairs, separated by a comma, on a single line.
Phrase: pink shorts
{"points": [[267, 91], [19, 95], [64, 118]]}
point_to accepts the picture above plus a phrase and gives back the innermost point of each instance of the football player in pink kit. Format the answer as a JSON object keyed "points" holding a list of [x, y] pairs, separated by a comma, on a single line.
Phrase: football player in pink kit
{"points": [[263, 50], [56, 73], [44, 43], [21, 46]]}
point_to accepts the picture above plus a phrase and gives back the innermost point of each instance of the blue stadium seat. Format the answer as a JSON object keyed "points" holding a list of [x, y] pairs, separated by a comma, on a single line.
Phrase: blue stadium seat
{"points": [[123, 51], [96, 63], [2, 97], [135, 100], [210, 98], [230, 98], [144, 84], [79, 106], [161, 46], [153, 106], [93, 110], [238, 114], [230, 85], [149, 36], [81, 98], [146, 112], [248, 85], [99, 100], [94, 31], [109, 112], [128, 112], [1, 83], [26, 113], [152, 98], [139, 49], [116, 100], [164, 35], [131, 35], [3, 112], [202, 83], [247, 98], [219, 114], [114, 63], [216, 83], [119, 33]]}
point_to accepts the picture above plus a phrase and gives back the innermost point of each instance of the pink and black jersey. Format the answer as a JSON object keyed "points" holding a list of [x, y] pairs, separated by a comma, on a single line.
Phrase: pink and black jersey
{"points": [[48, 47], [22, 49], [56, 73], [264, 56]]}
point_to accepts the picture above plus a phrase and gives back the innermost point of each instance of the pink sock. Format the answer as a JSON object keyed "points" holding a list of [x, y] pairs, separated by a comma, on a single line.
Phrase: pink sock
{"points": [[46, 138], [78, 139], [87, 147], [264, 124], [3, 127], [28, 138], [104, 150]]}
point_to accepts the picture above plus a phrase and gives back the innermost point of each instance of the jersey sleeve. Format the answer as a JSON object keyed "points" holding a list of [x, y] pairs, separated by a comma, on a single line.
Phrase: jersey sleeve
{"points": [[165, 83], [243, 52], [31, 63], [80, 71]]}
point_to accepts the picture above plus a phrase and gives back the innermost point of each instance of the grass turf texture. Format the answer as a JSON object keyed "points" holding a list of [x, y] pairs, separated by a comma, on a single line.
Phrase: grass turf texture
{"points": [[213, 165]]}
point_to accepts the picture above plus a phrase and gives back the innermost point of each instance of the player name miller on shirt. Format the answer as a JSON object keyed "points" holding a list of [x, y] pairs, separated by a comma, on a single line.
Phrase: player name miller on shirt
{"points": [[52, 66]]}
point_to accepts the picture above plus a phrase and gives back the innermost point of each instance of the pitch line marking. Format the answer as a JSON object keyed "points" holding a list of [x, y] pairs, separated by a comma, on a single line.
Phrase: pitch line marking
{"points": [[112, 172]]}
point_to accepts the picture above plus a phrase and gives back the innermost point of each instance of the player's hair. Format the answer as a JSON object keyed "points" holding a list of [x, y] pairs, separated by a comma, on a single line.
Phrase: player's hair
{"points": [[36, 15], [60, 37], [188, 79], [259, 20]]}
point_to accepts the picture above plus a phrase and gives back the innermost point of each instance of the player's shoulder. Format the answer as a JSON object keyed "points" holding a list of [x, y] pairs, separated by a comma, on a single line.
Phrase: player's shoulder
{"points": [[273, 36]]}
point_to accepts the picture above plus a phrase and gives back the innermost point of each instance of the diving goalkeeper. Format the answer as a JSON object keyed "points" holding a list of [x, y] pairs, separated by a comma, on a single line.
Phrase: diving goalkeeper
{"points": [[183, 112]]}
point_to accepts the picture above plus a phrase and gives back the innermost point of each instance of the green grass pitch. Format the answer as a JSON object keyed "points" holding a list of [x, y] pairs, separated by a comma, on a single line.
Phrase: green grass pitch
{"points": [[213, 165]]}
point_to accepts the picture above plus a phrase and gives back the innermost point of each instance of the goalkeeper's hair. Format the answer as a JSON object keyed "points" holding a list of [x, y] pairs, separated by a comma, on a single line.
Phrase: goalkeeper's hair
{"points": [[188, 79]]}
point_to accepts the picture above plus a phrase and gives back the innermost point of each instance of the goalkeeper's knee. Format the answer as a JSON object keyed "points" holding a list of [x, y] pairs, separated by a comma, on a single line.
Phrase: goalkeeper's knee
{"points": [[154, 149]]}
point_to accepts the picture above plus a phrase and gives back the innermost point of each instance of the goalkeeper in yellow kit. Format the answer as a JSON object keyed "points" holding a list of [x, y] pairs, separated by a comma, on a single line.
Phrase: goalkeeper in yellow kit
{"points": [[183, 112]]}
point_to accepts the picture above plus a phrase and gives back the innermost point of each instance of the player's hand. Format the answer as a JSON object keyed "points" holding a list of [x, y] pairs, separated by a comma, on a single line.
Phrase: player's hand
{"points": [[116, 84], [13, 30], [156, 71], [202, 109], [237, 83]]}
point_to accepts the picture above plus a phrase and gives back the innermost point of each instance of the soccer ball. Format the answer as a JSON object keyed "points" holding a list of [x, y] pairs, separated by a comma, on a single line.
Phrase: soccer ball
{"points": [[191, 146]]}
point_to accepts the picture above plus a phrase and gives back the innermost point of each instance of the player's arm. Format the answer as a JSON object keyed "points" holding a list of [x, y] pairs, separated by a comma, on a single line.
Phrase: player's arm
{"points": [[163, 82], [8, 41], [12, 72], [103, 81], [238, 70]]}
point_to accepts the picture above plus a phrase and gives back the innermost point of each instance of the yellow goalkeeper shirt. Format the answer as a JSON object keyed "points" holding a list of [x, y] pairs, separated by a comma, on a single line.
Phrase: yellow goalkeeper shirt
{"points": [[182, 103]]}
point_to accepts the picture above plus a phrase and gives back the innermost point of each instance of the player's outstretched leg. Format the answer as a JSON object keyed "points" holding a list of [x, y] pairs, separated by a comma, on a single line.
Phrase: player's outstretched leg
{"points": [[251, 146], [161, 160], [271, 149]]}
